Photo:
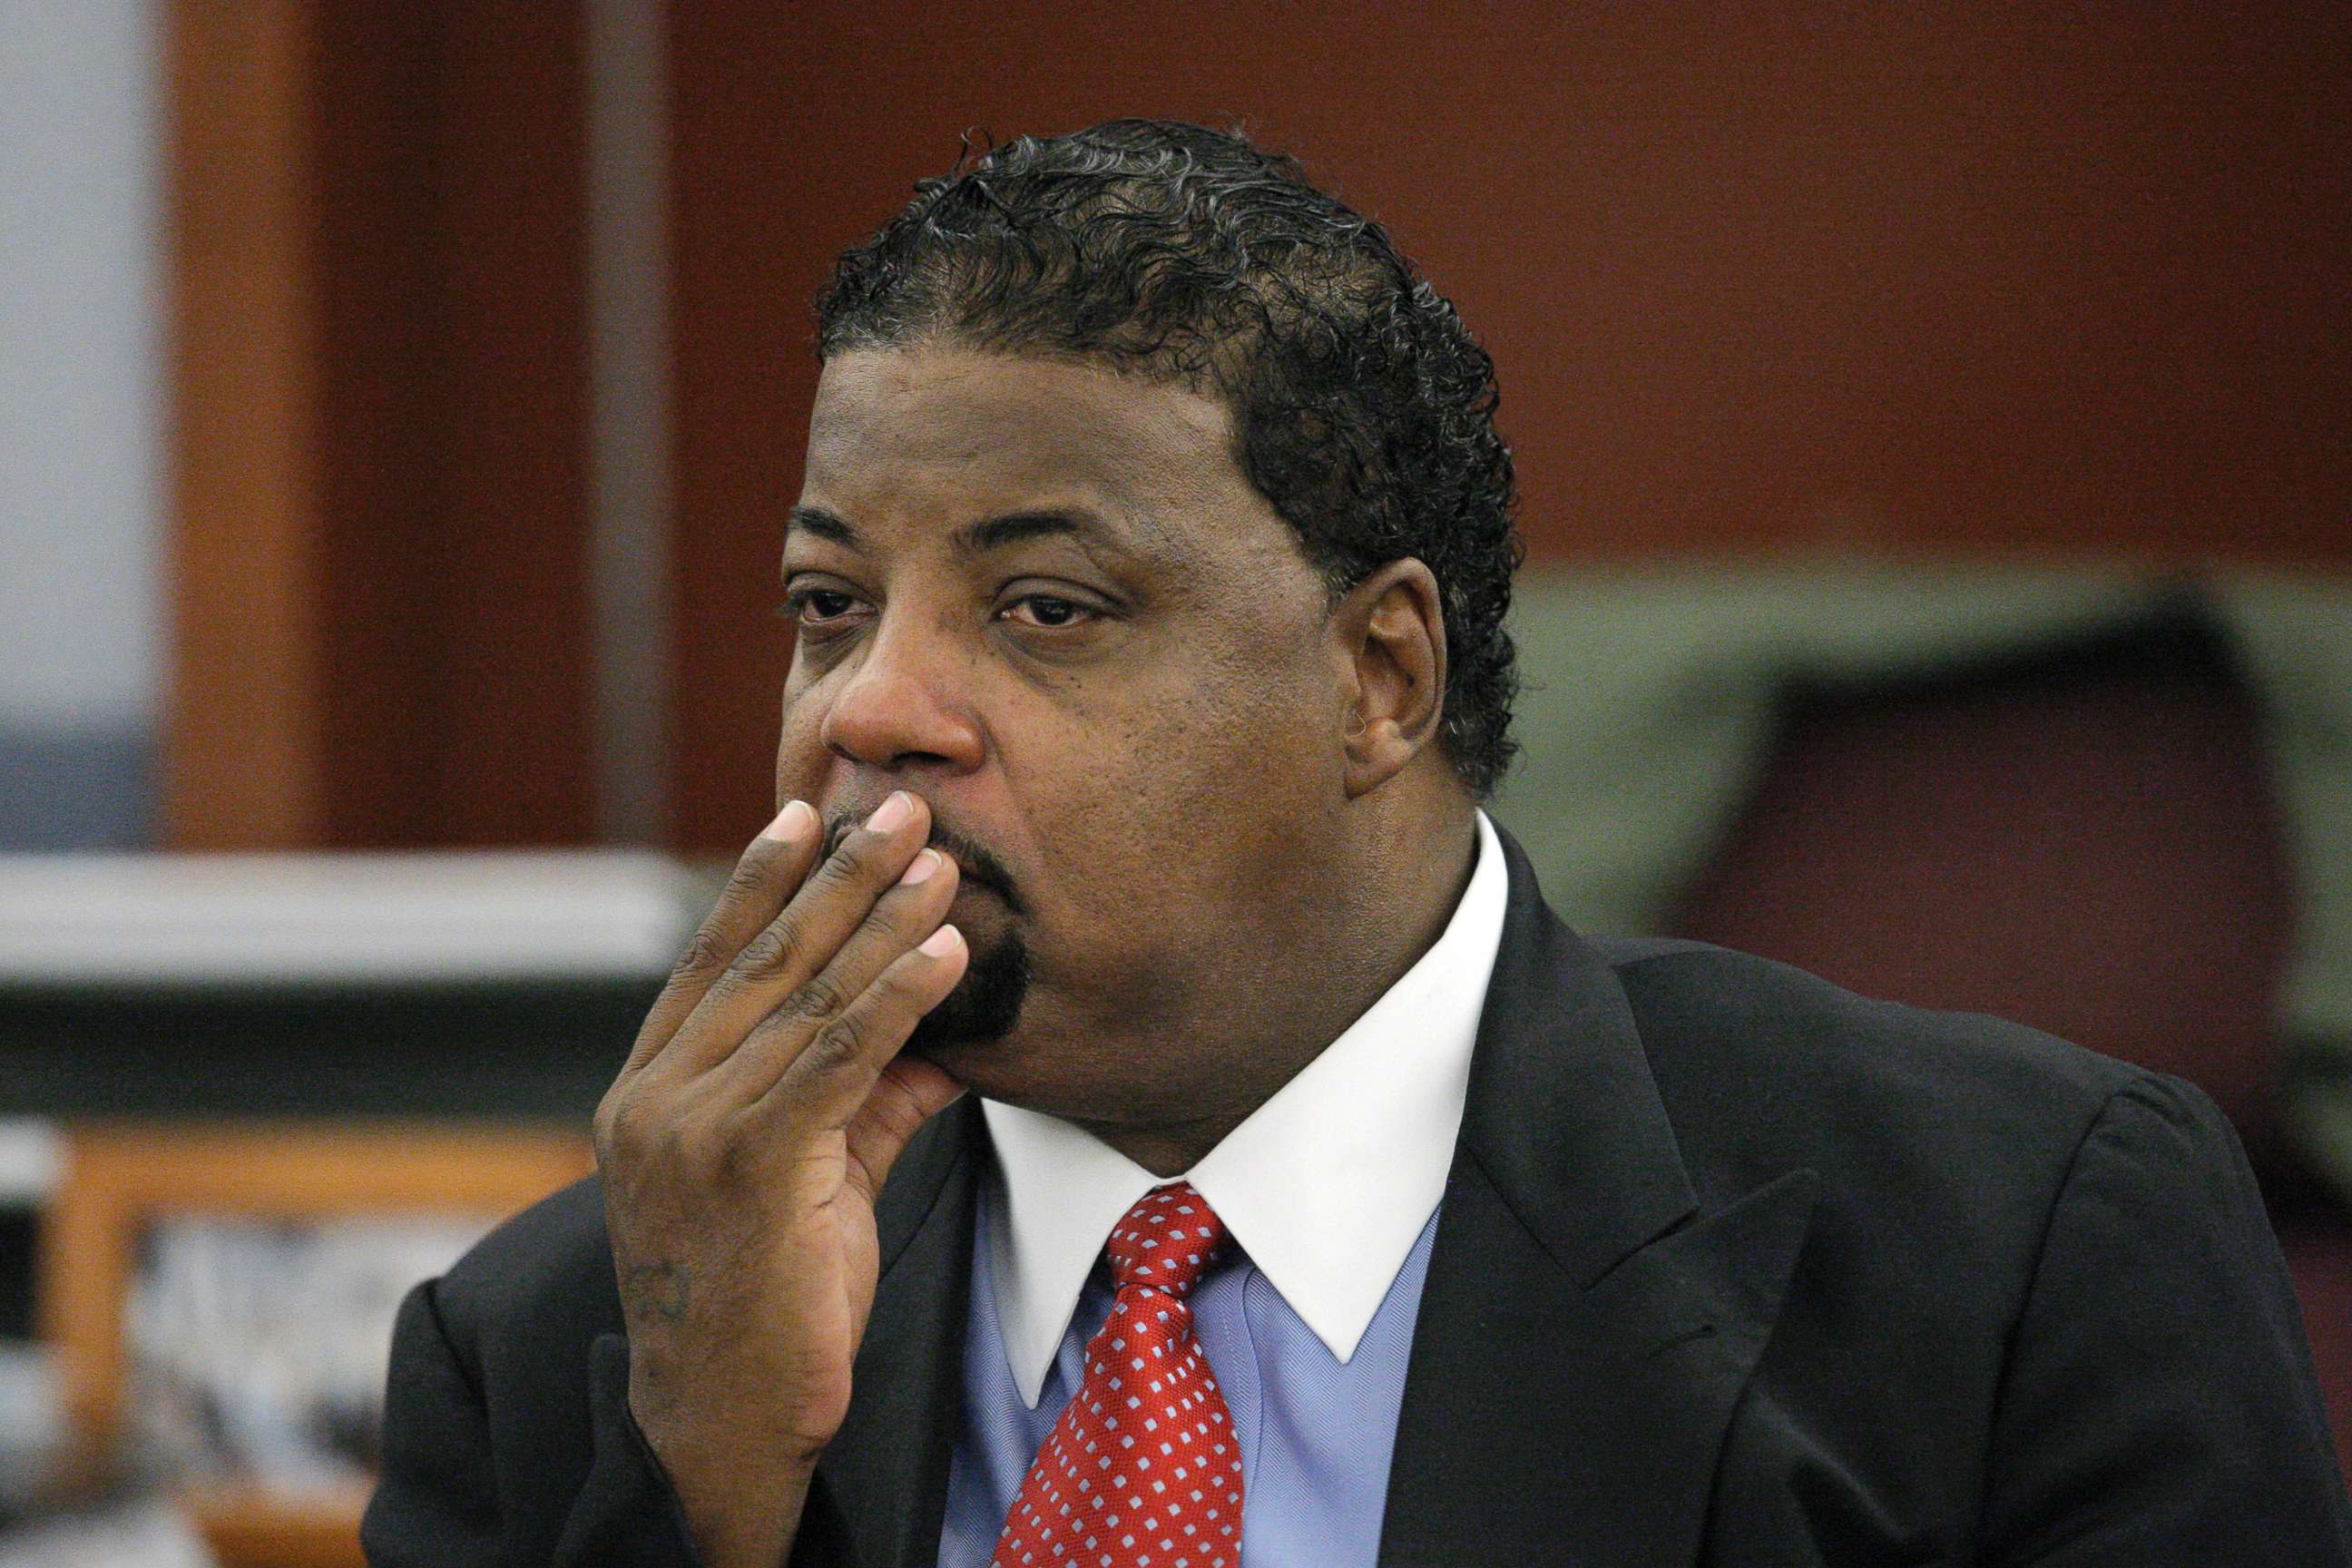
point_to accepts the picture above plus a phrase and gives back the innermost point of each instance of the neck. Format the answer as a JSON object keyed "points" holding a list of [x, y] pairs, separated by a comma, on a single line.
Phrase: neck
{"points": [[1403, 908]]}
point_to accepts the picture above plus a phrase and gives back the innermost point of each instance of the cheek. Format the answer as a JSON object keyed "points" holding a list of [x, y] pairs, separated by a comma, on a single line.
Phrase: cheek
{"points": [[801, 753], [1182, 807]]}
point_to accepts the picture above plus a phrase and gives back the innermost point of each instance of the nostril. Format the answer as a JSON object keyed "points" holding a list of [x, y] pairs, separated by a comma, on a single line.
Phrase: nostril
{"points": [[887, 718]]}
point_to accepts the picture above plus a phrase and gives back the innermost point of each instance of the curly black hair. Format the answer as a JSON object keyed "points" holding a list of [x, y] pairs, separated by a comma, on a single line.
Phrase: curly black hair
{"points": [[1364, 411]]}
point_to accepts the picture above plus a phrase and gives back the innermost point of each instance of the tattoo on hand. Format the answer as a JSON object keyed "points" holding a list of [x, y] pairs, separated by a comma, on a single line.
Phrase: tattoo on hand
{"points": [[660, 1290]]}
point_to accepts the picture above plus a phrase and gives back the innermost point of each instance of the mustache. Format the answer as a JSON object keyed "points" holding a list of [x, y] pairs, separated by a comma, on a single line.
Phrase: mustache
{"points": [[973, 862]]}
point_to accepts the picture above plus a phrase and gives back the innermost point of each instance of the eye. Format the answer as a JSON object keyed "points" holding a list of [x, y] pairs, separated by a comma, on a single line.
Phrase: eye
{"points": [[817, 607], [1048, 611], [817, 602]]}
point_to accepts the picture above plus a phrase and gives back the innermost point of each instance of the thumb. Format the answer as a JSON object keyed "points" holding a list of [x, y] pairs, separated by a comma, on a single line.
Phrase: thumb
{"points": [[909, 1092]]}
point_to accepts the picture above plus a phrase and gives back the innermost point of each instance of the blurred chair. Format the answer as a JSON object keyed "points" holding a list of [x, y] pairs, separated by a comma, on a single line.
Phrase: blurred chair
{"points": [[122, 1179], [2084, 841]]}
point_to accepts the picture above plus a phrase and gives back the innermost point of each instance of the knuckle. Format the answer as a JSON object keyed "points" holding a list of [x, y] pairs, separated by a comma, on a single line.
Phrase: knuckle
{"points": [[818, 1001], [767, 951], [619, 1126], [837, 1045], [705, 955], [854, 863]]}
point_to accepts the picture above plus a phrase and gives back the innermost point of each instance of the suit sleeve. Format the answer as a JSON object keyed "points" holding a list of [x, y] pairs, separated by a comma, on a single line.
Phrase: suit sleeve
{"points": [[2158, 1407], [452, 1494], [436, 1501], [445, 1499]]}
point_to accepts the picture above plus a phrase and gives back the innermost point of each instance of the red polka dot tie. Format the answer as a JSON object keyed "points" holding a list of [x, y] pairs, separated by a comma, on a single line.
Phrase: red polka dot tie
{"points": [[1142, 1470]]}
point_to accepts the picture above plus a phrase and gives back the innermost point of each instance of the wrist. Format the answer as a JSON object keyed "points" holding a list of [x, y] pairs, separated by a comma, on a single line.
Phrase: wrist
{"points": [[742, 1506], [744, 1517]]}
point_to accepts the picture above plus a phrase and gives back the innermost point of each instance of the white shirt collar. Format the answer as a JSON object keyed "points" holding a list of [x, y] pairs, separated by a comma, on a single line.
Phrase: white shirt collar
{"points": [[1326, 1185]]}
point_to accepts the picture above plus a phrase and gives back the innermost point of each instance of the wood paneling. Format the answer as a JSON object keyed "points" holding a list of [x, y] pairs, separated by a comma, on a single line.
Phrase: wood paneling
{"points": [[450, 204], [382, 415], [243, 765], [1920, 280]]}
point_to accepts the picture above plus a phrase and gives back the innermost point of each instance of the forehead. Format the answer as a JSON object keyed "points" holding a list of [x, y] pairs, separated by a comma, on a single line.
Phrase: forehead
{"points": [[934, 428]]}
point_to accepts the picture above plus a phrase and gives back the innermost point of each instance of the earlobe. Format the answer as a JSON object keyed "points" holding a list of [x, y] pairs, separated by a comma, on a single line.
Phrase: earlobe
{"points": [[1395, 629]]}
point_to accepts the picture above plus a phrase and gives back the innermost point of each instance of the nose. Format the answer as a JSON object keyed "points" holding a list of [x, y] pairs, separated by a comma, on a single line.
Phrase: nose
{"points": [[904, 701]]}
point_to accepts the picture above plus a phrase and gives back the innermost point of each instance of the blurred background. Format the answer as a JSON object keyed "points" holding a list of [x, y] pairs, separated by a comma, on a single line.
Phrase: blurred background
{"points": [[1935, 432]]}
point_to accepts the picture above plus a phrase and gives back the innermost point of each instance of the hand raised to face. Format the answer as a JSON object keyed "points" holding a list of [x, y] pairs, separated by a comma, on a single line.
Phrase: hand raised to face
{"points": [[742, 1147]]}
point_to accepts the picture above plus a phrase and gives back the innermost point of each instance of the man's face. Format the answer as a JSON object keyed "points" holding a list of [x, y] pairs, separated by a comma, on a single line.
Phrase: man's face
{"points": [[1043, 597]]}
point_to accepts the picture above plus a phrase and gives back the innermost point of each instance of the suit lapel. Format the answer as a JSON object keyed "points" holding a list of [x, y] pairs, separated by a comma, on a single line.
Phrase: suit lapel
{"points": [[1585, 1329], [887, 1468], [1584, 1332]]}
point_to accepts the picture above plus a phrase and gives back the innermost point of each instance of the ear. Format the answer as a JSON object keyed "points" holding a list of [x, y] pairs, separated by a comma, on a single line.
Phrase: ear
{"points": [[1389, 640]]}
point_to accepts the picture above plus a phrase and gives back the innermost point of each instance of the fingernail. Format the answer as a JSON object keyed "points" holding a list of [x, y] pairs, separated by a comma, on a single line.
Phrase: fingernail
{"points": [[943, 942], [891, 812], [919, 870], [792, 823]]}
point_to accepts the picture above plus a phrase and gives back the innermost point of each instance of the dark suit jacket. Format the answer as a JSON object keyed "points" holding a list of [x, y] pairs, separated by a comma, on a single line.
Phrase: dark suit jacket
{"points": [[1732, 1268]]}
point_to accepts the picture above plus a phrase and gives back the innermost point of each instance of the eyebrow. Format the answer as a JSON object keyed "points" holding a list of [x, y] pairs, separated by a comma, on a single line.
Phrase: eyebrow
{"points": [[973, 538]]}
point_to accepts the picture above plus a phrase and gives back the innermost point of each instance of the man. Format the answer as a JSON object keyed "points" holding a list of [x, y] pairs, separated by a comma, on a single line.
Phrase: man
{"points": [[1318, 1198]]}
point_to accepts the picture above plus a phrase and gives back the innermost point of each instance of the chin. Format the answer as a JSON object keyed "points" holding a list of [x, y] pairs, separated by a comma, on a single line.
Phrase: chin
{"points": [[981, 1010]]}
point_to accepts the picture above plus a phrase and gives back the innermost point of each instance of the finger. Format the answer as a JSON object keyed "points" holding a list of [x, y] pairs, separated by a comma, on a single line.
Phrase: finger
{"points": [[764, 880], [826, 1082], [777, 965], [909, 1092], [903, 916]]}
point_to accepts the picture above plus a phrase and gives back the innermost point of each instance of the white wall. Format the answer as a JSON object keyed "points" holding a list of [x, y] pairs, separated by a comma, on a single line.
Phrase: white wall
{"points": [[81, 416]]}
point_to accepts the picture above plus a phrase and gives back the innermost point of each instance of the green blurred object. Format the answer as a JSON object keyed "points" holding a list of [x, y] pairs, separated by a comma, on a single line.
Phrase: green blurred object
{"points": [[1651, 704]]}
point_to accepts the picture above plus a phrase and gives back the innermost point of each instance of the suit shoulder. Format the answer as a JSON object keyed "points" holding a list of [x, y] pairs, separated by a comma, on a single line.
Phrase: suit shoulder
{"points": [[1713, 998], [1761, 1061]]}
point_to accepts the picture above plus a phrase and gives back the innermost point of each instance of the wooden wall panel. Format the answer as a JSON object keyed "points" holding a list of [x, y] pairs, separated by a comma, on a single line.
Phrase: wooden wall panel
{"points": [[516, 747], [428, 402], [242, 764], [374, 205], [1921, 279], [452, 201]]}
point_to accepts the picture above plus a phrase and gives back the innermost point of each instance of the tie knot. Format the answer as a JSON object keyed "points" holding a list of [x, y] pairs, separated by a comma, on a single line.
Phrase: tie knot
{"points": [[1166, 1241]]}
